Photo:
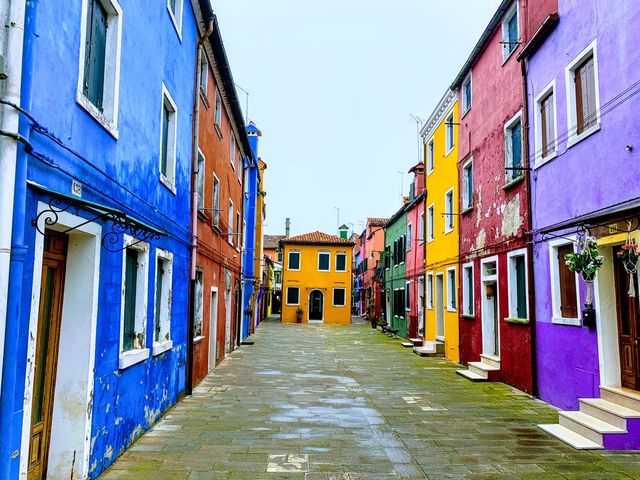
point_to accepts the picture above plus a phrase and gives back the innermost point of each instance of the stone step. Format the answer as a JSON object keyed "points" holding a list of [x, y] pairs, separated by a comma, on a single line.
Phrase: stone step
{"points": [[407, 344], [607, 411], [570, 437], [588, 426], [621, 396], [469, 375], [416, 341], [490, 360], [480, 368]]}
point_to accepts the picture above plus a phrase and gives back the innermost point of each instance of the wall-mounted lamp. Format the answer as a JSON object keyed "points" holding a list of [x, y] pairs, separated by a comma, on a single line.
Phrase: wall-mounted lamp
{"points": [[629, 148]]}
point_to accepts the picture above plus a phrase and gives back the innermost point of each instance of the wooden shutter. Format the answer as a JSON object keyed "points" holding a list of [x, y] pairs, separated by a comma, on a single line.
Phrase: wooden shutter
{"points": [[130, 287], [568, 302], [158, 316], [94, 53], [521, 287], [585, 91], [516, 140]]}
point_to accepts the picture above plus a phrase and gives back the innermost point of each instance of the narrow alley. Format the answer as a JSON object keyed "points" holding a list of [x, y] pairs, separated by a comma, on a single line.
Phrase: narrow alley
{"points": [[347, 403]]}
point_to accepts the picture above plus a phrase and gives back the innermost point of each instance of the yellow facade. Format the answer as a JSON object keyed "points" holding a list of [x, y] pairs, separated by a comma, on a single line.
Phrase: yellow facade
{"points": [[312, 284], [441, 220]]}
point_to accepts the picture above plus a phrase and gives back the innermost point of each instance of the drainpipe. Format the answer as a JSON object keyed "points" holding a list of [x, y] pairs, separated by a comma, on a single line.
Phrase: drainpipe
{"points": [[9, 121], [194, 207], [10, 451], [528, 226]]}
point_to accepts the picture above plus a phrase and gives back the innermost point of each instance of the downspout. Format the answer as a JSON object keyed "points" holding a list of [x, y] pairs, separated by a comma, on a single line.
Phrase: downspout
{"points": [[10, 117], [194, 208], [10, 451]]}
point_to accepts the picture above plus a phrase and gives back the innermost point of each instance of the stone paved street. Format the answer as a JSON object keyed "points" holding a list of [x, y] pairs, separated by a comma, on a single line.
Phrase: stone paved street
{"points": [[329, 403]]}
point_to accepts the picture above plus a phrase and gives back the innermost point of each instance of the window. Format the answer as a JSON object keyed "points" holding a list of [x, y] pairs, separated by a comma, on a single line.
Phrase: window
{"points": [[232, 152], [564, 293], [430, 232], [280, 255], [387, 256], [230, 224], [341, 262], [204, 71], [467, 185], [466, 94], [162, 312], [421, 232], [200, 180], [293, 296], [175, 12], [339, 297], [430, 291], [133, 311], [238, 229], [198, 305], [510, 33], [451, 290], [449, 132], [398, 302], [168, 132], [430, 162], [215, 214], [583, 100], [409, 236], [407, 296], [448, 211], [324, 259], [294, 261], [517, 276], [513, 148], [217, 118], [547, 125], [99, 72], [467, 289]]}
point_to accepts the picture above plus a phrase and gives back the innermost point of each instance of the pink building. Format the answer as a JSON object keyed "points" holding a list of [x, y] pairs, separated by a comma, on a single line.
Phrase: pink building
{"points": [[371, 245]]}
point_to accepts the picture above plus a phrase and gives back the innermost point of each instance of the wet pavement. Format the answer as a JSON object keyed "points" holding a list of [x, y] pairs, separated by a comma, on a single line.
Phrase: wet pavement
{"points": [[348, 403]]}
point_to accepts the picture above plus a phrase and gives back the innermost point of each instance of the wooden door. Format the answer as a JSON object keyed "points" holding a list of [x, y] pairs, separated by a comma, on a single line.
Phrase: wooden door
{"points": [[49, 317], [628, 326], [316, 306]]}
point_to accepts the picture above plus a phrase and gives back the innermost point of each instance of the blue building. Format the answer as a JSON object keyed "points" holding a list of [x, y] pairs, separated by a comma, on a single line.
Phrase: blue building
{"points": [[250, 278], [96, 332]]}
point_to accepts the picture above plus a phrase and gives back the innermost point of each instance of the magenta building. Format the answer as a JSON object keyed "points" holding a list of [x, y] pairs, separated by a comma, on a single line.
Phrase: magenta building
{"points": [[583, 76]]}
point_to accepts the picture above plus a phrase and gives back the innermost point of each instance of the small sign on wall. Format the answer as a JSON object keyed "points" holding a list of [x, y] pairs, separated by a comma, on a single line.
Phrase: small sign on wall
{"points": [[76, 188]]}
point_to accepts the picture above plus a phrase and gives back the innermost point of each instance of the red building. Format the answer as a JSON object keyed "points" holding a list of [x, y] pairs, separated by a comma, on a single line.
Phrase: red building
{"points": [[371, 246], [494, 295], [223, 146]]}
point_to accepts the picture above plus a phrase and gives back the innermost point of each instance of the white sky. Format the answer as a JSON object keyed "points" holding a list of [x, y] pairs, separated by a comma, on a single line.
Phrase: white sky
{"points": [[332, 84]]}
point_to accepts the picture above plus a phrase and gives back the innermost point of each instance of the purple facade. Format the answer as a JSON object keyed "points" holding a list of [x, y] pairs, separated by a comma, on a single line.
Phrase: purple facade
{"points": [[591, 182]]}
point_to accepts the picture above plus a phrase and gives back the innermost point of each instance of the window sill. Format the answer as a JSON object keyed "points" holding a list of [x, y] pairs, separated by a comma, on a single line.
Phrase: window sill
{"points": [[464, 114], [448, 231], [205, 100], [512, 183], [453, 310], [202, 215], [575, 138], [97, 115], [430, 172], [468, 316], [132, 357], [167, 183], [574, 322], [161, 347], [506, 59], [517, 321], [198, 339], [216, 127], [440, 337], [540, 161], [466, 210], [447, 152]]}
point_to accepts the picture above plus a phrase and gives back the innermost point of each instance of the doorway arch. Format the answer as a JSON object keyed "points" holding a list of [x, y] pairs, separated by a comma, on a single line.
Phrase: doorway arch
{"points": [[316, 306]]}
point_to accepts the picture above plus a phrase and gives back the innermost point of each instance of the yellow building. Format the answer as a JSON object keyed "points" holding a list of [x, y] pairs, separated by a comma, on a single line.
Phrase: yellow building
{"points": [[316, 283], [441, 224]]}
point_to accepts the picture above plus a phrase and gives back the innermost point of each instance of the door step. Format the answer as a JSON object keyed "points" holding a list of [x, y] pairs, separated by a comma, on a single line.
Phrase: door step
{"points": [[469, 375], [430, 349], [570, 437], [417, 342], [406, 344], [487, 369]]}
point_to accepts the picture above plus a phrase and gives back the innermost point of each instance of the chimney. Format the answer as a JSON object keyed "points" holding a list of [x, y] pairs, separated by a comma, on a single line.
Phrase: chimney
{"points": [[287, 227], [254, 134], [344, 231]]}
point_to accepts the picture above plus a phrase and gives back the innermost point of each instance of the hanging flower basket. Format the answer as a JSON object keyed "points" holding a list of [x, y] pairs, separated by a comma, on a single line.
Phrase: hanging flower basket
{"points": [[586, 262], [629, 255]]}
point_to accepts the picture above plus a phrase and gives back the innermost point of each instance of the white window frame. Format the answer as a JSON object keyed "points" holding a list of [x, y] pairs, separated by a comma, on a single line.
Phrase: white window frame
{"points": [[451, 289], [555, 282], [572, 118], [238, 230], [108, 118], [449, 217], [200, 306], [217, 115], [289, 261], [135, 355], [506, 53], [466, 107], [176, 17], [449, 133], [422, 226], [160, 346], [467, 203], [511, 282], [333, 298], [431, 163], [204, 71], [287, 295], [324, 252], [341, 254], [215, 198], [431, 223], [468, 310], [169, 180], [409, 237], [539, 159], [232, 151], [230, 222], [429, 289], [407, 296], [200, 180], [508, 150]]}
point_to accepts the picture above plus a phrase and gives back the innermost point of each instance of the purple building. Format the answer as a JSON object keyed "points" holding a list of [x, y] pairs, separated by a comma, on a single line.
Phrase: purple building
{"points": [[583, 77]]}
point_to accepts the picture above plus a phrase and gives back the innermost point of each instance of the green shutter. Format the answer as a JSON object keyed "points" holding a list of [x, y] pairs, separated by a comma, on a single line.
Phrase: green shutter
{"points": [[165, 139], [521, 287], [94, 53], [130, 285]]}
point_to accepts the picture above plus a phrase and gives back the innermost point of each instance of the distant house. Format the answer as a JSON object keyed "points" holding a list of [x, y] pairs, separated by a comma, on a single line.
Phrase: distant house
{"points": [[317, 278], [396, 300]]}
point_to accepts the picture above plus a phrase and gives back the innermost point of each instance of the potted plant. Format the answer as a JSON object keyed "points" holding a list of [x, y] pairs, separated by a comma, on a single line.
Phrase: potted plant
{"points": [[629, 255], [299, 313], [586, 262]]}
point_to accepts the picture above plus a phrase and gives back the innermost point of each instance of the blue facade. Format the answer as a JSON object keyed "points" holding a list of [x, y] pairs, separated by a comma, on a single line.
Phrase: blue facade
{"points": [[118, 171]]}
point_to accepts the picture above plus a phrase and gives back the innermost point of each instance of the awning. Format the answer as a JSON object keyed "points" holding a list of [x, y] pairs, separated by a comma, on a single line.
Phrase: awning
{"points": [[121, 222]]}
